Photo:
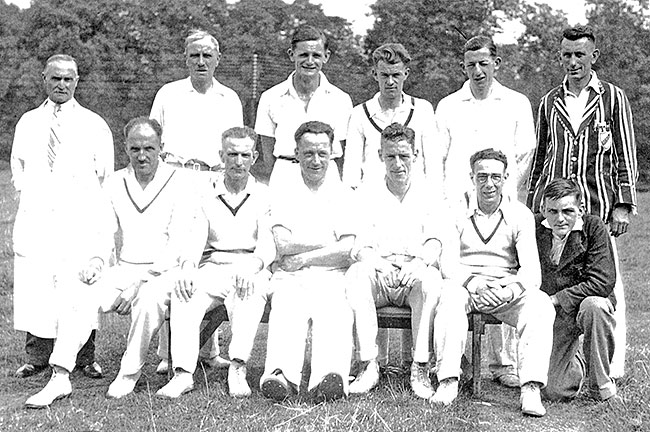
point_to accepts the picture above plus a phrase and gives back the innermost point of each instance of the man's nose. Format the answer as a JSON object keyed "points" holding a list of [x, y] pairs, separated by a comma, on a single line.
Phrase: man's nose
{"points": [[201, 59], [239, 160]]}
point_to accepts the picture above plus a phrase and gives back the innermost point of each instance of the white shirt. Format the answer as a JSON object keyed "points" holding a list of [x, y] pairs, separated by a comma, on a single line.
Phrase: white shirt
{"points": [[281, 111], [362, 145], [502, 121], [157, 222], [575, 104], [193, 122]]}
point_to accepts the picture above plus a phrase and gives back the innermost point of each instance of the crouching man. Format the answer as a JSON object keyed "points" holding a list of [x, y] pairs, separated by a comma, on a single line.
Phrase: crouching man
{"points": [[578, 274], [500, 275], [150, 206], [312, 225], [232, 270], [398, 259]]}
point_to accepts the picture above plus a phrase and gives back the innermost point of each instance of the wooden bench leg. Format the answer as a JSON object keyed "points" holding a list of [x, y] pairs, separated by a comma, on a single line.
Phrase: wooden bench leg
{"points": [[478, 326]]}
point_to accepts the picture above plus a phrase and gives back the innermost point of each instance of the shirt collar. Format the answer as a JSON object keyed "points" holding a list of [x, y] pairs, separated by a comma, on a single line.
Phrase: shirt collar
{"points": [[217, 87], [374, 107], [505, 206], [577, 227], [64, 107], [594, 84], [220, 185], [323, 86], [496, 92]]}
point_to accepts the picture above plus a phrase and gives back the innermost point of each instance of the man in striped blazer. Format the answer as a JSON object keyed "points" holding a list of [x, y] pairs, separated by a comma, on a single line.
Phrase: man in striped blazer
{"points": [[585, 133]]}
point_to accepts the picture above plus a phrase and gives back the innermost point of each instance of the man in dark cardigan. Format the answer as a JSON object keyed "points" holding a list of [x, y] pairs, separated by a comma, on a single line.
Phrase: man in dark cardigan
{"points": [[578, 274]]}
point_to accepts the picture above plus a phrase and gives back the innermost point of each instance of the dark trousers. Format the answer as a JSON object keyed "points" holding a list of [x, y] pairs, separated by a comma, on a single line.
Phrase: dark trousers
{"points": [[39, 349]]}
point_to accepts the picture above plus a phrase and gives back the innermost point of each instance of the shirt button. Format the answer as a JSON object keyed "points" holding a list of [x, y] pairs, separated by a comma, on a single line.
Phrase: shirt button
{"points": [[573, 159], [572, 176]]}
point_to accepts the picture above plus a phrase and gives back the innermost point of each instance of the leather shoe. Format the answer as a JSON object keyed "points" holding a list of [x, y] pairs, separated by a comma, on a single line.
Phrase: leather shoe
{"points": [[330, 388], [508, 380], [181, 383], [58, 387], [162, 367], [28, 370], [275, 386], [93, 370]]}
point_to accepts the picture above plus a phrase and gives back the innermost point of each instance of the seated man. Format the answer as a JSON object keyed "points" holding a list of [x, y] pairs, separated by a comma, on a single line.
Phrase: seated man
{"points": [[578, 273], [312, 225], [397, 255], [152, 208], [232, 270], [500, 275]]}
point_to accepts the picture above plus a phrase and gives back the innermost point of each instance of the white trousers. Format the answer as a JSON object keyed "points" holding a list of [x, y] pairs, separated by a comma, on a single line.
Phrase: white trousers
{"points": [[79, 304], [365, 294], [617, 366], [532, 314], [319, 295], [214, 287]]}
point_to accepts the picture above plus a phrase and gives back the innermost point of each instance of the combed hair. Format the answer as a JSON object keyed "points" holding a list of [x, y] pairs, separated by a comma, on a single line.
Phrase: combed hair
{"points": [[61, 58], [196, 35], [391, 53], [142, 120], [479, 42], [239, 132], [562, 187], [579, 32], [397, 132], [488, 153], [308, 33], [315, 127]]}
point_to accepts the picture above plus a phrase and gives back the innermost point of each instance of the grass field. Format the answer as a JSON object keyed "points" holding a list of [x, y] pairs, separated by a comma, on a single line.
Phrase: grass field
{"points": [[391, 407]]}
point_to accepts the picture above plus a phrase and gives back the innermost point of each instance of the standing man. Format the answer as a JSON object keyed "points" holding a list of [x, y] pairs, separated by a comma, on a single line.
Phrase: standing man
{"points": [[305, 95], [579, 274], [312, 223], [398, 256], [368, 120], [237, 248], [195, 111], [500, 275], [61, 154], [585, 133], [484, 113]]}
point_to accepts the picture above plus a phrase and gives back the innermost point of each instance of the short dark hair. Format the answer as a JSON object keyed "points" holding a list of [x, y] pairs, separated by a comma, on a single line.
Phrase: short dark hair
{"points": [[391, 53], [479, 42], [488, 153], [315, 127], [561, 187], [308, 33], [142, 120], [61, 58], [196, 35], [579, 32], [397, 132], [239, 132]]}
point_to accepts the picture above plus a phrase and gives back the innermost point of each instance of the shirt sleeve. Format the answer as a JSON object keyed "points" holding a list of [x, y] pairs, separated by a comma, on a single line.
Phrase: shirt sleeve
{"points": [[18, 154], [344, 109], [624, 151], [432, 152], [354, 146], [264, 124], [442, 139], [157, 111], [529, 274], [524, 144], [104, 152]]}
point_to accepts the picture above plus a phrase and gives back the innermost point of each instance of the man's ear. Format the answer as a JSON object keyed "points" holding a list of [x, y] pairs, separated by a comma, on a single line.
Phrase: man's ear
{"points": [[290, 53], [326, 58], [462, 68], [497, 63], [381, 155], [595, 56], [255, 156], [221, 155]]}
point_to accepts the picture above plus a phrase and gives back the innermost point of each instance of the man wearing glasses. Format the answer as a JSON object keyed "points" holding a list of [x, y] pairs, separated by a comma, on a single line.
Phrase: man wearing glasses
{"points": [[500, 272]]}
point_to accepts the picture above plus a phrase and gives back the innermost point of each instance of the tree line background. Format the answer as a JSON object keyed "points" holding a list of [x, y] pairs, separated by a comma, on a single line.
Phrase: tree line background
{"points": [[127, 49]]}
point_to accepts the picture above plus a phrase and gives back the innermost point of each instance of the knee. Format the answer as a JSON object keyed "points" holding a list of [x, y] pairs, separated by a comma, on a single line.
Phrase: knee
{"points": [[596, 308], [358, 289], [541, 303], [452, 298]]}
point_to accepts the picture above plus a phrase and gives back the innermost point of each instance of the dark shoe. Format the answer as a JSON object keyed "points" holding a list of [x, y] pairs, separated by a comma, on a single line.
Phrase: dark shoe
{"points": [[329, 389], [275, 386], [508, 380], [92, 370], [28, 370]]}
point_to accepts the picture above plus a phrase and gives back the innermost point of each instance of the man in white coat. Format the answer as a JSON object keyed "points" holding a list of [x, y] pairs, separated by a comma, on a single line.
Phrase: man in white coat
{"points": [[61, 154]]}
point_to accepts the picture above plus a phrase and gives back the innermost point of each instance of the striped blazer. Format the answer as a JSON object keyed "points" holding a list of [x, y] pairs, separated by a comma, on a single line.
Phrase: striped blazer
{"points": [[600, 158]]}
